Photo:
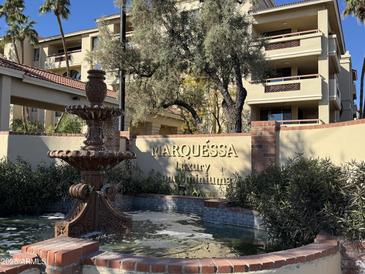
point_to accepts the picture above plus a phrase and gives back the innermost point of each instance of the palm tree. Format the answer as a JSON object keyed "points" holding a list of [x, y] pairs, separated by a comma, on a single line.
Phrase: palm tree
{"points": [[357, 9], [26, 31], [13, 10], [11, 35], [19, 28], [61, 9]]}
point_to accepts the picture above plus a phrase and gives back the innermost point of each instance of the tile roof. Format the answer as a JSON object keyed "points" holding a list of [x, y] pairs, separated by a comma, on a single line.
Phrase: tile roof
{"points": [[48, 76]]}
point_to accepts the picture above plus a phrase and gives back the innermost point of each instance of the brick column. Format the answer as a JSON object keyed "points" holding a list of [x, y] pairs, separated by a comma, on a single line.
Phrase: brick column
{"points": [[264, 144]]}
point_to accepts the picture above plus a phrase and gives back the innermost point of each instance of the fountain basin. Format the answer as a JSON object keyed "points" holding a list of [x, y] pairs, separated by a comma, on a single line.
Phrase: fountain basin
{"points": [[89, 160], [99, 113]]}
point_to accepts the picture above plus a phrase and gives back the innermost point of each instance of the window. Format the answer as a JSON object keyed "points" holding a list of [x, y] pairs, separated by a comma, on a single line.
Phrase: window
{"points": [[94, 42], [36, 55], [69, 50], [75, 48], [276, 114], [280, 72], [74, 74]]}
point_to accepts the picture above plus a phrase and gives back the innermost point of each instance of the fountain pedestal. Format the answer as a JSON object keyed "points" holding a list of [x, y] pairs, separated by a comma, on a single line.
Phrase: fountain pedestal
{"points": [[93, 211]]}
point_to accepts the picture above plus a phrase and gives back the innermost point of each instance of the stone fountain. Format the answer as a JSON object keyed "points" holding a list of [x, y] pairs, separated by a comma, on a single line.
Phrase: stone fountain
{"points": [[93, 211]]}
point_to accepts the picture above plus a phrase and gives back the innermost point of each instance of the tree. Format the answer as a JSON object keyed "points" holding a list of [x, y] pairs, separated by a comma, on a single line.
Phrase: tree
{"points": [[12, 11], [213, 44], [357, 9], [26, 31], [20, 28], [61, 9]]}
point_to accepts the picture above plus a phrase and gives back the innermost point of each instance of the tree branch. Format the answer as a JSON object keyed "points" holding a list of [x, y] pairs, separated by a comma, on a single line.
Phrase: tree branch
{"points": [[185, 105]]}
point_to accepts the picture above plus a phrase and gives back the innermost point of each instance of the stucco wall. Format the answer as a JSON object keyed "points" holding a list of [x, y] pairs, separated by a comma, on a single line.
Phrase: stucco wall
{"points": [[34, 148], [3, 145], [341, 143], [210, 160]]}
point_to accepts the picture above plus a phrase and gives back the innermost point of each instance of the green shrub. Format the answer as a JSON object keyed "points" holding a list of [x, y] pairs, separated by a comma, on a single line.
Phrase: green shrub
{"points": [[27, 191], [296, 200], [184, 186], [353, 220], [69, 124], [131, 180], [32, 127]]}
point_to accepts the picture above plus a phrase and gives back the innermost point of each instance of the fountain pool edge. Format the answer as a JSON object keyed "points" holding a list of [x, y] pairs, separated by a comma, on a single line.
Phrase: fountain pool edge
{"points": [[69, 255]]}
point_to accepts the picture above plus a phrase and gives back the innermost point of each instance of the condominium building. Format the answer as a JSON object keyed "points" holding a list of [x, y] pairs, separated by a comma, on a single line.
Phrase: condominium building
{"points": [[311, 78], [311, 73]]}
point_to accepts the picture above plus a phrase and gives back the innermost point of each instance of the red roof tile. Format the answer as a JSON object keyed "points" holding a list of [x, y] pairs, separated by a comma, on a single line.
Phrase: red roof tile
{"points": [[48, 76]]}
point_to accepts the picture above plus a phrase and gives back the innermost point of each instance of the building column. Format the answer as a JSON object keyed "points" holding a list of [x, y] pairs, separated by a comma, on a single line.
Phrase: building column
{"points": [[294, 70], [40, 118], [255, 113], [5, 95], [48, 118], [155, 128], [323, 67], [294, 112]]}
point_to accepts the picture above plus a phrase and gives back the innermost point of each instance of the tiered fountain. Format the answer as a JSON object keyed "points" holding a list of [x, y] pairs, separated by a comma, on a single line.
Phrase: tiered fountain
{"points": [[93, 211]]}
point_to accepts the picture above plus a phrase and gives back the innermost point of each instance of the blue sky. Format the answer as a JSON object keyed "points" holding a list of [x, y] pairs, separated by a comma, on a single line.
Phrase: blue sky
{"points": [[84, 12]]}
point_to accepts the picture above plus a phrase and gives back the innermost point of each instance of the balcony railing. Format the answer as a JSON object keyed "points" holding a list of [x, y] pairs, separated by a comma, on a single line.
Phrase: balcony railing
{"points": [[53, 61], [63, 54], [285, 89], [335, 93], [291, 34], [290, 78], [301, 122], [294, 44]]}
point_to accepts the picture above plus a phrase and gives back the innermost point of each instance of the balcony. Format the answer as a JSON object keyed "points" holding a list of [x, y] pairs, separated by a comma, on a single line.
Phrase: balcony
{"points": [[334, 52], [57, 61], [294, 44], [285, 89], [335, 94]]}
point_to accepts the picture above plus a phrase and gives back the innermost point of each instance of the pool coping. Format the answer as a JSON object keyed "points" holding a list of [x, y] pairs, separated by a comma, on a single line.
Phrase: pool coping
{"points": [[70, 255]]}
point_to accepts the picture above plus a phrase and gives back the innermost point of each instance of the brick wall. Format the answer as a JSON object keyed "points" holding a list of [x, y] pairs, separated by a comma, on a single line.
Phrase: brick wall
{"points": [[264, 144], [67, 255]]}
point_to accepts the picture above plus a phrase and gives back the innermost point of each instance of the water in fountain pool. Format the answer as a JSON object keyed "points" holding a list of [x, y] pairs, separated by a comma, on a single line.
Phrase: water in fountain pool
{"points": [[155, 234]]}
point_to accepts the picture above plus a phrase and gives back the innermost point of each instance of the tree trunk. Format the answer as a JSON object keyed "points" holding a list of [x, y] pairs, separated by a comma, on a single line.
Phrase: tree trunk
{"points": [[22, 50], [362, 110], [16, 50], [59, 122], [25, 118], [64, 44], [234, 120], [189, 108]]}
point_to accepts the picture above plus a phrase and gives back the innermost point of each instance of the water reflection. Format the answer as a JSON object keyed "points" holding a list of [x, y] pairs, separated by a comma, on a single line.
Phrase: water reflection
{"points": [[155, 234]]}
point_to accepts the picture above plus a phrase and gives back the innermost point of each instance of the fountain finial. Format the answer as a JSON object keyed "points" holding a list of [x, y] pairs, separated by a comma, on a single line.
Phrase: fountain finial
{"points": [[96, 89]]}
